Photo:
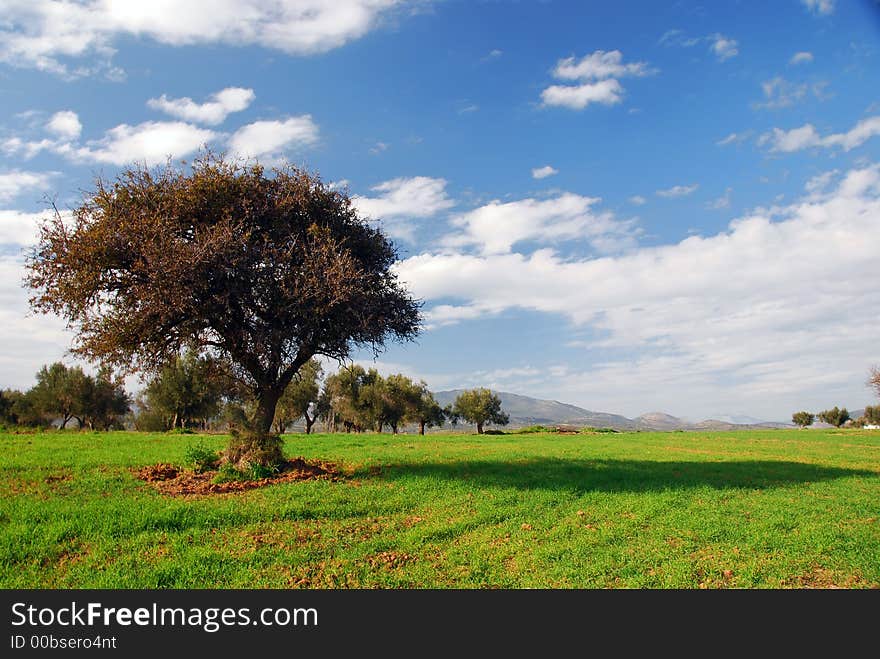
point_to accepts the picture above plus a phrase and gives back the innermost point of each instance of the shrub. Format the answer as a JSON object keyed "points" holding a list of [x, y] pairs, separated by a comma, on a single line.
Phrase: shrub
{"points": [[200, 457], [591, 430]]}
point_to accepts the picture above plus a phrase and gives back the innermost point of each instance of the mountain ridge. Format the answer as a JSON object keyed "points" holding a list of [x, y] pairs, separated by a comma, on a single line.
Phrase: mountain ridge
{"points": [[528, 411]]}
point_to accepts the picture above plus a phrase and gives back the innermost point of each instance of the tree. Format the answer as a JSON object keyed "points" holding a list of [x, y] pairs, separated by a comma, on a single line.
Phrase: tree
{"points": [[835, 417], [262, 271], [61, 392], [424, 409], [803, 419], [480, 406], [872, 414], [105, 401], [300, 398], [187, 389], [874, 379]]}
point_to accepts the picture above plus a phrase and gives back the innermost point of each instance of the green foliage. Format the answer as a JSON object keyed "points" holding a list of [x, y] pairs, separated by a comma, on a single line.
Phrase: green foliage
{"points": [[300, 397], [803, 419], [200, 458], [590, 430], [872, 414], [252, 472], [533, 429], [62, 392], [835, 417], [186, 391], [480, 406]]}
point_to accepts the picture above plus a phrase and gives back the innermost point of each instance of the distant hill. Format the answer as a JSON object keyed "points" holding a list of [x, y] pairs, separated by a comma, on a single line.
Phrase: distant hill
{"points": [[528, 411]]}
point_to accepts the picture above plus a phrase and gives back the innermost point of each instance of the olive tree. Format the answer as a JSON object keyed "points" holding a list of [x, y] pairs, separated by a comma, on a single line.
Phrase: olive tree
{"points": [[480, 406], [263, 270]]}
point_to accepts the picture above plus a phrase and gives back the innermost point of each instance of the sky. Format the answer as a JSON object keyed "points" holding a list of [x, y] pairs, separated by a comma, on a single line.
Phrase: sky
{"points": [[626, 206]]}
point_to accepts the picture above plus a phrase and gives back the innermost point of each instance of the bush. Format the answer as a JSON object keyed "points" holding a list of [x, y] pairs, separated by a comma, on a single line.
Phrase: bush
{"points": [[534, 429], [200, 458], [590, 430], [494, 432], [253, 472]]}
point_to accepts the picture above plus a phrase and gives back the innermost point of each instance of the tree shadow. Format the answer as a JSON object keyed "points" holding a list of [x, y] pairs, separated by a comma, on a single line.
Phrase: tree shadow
{"points": [[604, 475]]}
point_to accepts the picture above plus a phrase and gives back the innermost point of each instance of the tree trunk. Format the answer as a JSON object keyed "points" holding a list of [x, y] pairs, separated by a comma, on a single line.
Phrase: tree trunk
{"points": [[310, 421], [393, 428], [479, 427], [257, 445], [421, 427]]}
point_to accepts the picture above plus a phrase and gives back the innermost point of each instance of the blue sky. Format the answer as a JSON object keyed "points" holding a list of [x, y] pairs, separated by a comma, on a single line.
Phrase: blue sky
{"points": [[628, 206]]}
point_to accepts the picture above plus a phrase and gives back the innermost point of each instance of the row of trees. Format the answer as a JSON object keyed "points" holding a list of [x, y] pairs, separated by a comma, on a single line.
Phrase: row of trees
{"points": [[98, 402], [838, 417], [193, 391]]}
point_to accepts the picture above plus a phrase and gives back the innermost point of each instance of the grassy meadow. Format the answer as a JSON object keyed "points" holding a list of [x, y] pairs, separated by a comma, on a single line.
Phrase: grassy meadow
{"points": [[751, 509]]}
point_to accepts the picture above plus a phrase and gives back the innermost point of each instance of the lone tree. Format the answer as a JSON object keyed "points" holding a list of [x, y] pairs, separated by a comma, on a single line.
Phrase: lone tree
{"points": [[835, 417], [479, 406], [262, 271], [803, 419]]}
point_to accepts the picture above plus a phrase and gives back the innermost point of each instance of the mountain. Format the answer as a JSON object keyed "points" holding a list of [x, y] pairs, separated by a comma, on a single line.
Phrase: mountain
{"points": [[528, 411]]}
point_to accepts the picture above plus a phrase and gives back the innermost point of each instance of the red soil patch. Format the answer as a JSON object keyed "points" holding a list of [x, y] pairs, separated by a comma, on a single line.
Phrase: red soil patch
{"points": [[171, 481]]}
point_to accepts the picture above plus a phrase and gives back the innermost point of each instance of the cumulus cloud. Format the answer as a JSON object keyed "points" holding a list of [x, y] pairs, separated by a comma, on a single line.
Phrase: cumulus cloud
{"points": [[544, 172], [807, 136], [45, 34], [577, 97], [598, 75], [403, 199], [268, 140], [212, 112], [820, 7], [638, 200], [599, 66], [802, 57], [19, 228], [15, 182], [65, 124], [739, 315], [496, 227], [151, 143], [678, 191]]}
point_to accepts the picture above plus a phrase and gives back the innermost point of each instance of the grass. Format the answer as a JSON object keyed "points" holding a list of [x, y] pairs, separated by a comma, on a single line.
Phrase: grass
{"points": [[756, 509]]}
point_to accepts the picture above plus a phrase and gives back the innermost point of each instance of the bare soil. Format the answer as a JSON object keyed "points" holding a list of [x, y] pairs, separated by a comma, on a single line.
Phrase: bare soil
{"points": [[171, 481]]}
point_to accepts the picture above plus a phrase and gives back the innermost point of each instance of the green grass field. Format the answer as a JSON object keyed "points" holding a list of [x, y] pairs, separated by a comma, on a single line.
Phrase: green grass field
{"points": [[757, 509]]}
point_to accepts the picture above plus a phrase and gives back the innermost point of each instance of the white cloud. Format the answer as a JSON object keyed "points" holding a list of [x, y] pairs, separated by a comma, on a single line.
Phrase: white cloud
{"points": [[820, 182], [638, 200], [780, 93], [378, 147], [43, 34], [598, 74], [13, 183], [721, 202], [692, 334], [151, 143], [599, 66], [734, 138], [821, 7], [268, 140], [577, 97], [65, 124], [212, 112], [402, 199], [724, 47], [807, 136], [678, 191], [496, 227], [802, 57], [18, 228], [544, 172]]}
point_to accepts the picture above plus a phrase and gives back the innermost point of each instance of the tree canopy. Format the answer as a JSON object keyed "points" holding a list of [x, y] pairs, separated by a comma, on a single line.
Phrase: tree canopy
{"points": [[264, 271], [803, 419], [479, 406], [835, 417]]}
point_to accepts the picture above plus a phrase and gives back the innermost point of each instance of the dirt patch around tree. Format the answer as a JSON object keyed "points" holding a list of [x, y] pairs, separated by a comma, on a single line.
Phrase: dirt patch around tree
{"points": [[172, 481]]}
